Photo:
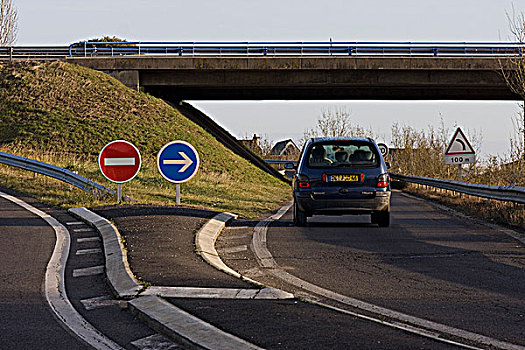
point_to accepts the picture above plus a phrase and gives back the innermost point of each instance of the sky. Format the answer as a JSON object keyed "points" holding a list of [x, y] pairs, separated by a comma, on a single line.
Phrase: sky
{"points": [[62, 22]]}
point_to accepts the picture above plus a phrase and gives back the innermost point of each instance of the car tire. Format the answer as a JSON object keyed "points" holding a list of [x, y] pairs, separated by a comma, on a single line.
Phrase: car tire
{"points": [[381, 218], [299, 216]]}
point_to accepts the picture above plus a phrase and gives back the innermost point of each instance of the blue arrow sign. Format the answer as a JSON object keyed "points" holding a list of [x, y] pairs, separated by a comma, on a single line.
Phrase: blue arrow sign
{"points": [[178, 161]]}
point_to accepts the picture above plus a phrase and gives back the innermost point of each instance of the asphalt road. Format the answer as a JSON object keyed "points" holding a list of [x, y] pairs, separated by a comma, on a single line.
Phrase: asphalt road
{"points": [[26, 319], [429, 263]]}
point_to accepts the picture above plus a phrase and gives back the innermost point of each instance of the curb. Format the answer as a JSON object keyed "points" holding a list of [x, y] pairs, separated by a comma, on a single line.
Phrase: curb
{"points": [[156, 312], [120, 277], [205, 242], [188, 329], [54, 285]]}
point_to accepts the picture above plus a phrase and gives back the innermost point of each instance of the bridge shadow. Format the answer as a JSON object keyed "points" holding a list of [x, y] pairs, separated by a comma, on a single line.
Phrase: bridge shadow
{"points": [[432, 245], [111, 212], [25, 221]]}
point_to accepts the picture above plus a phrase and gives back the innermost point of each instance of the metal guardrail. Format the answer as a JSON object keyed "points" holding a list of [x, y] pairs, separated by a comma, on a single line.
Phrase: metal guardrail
{"points": [[87, 48], [33, 53], [291, 48], [515, 194], [277, 161], [56, 172]]}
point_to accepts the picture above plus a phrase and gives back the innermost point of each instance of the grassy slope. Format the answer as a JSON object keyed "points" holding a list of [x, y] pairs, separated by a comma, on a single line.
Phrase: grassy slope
{"points": [[65, 114]]}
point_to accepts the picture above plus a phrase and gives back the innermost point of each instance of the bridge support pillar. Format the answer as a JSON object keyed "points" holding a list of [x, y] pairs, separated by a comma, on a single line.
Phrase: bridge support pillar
{"points": [[130, 78]]}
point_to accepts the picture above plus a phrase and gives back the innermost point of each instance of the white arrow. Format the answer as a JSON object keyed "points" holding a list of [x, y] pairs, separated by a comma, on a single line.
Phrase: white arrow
{"points": [[186, 161]]}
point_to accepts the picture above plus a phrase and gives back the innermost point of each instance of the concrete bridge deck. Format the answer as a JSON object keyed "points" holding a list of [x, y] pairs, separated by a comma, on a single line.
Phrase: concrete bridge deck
{"points": [[308, 77]]}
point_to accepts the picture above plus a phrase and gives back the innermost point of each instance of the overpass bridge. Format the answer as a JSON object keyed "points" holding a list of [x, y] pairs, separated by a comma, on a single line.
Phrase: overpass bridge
{"points": [[306, 71]]}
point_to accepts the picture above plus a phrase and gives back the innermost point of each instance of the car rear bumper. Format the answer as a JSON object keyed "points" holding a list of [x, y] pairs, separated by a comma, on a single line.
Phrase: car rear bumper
{"points": [[307, 203]]}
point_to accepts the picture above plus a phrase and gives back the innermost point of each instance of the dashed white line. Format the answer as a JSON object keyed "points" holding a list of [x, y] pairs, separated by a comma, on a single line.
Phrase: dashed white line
{"points": [[54, 284], [88, 271], [88, 239], [78, 230], [74, 223], [88, 251], [155, 342], [231, 250], [402, 321], [103, 301]]}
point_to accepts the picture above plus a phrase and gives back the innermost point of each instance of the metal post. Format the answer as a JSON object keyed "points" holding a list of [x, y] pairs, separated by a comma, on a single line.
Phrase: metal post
{"points": [[10, 54], [119, 193], [460, 175], [177, 194]]}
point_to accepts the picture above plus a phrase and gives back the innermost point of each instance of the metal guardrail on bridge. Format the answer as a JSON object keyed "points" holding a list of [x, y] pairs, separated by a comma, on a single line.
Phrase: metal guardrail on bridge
{"points": [[291, 48], [33, 53], [515, 194], [87, 48], [55, 172]]}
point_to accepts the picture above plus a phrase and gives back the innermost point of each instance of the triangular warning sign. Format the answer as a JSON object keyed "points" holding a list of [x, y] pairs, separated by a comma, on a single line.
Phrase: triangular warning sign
{"points": [[459, 144]]}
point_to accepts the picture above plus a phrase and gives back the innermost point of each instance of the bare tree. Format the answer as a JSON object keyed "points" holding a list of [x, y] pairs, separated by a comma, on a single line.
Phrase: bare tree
{"points": [[8, 23], [335, 122], [513, 68]]}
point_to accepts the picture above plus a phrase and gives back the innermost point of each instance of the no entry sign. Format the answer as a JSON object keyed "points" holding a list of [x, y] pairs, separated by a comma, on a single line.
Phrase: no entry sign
{"points": [[119, 161]]}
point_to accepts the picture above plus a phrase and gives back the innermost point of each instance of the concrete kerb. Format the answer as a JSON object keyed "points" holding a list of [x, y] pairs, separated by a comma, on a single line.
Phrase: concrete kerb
{"points": [[158, 313], [205, 242], [120, 278], [188, 329]]}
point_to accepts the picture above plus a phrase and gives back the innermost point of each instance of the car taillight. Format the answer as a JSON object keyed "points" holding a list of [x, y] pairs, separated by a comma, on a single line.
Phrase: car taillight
{"points": [[382, 181], [362, 177], [324, 178], [303, 181], [303, 184]]}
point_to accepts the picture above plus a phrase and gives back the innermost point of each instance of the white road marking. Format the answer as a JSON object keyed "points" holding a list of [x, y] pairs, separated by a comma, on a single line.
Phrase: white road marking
{"points": [[88, 239], [54, 284], [78, 230], [119, 161], [88, 271], [266, 293], [231, 250], [403, 321], [103, 301], [155, 342], [74, 223], [88, 251]]}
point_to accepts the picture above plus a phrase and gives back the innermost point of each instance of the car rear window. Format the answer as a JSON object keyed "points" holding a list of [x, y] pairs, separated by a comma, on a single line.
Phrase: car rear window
{"points": [[336, 154]]}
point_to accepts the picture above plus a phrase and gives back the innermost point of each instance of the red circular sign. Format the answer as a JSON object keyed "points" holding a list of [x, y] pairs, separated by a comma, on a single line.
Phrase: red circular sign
{"points": [[119, 161]]}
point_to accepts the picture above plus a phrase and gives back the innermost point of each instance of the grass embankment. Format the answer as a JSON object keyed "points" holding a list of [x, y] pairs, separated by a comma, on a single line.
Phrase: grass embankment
{"points": [[64, 114]]}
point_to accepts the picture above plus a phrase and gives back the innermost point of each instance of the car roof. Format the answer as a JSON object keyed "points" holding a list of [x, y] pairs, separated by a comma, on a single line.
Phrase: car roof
{"points": [[340, 138]]}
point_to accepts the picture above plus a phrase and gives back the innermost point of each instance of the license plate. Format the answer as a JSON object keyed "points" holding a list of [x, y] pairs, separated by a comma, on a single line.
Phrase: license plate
{"points": [[343, 178]]}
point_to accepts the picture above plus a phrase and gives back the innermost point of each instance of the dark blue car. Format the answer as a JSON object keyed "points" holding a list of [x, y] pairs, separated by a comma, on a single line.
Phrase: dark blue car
{"points": [[341, 175]]}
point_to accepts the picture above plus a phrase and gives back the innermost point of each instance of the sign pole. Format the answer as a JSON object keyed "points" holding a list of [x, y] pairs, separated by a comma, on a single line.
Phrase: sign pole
{"points": [[460, 175], [119, 193], [178, 161]]}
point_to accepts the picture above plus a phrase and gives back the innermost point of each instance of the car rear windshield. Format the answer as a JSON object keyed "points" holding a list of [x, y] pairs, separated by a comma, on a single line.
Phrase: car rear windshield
{"points": [[334, 154]]}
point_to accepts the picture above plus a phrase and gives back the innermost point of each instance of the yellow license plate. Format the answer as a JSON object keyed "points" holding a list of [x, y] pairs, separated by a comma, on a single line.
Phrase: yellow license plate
{"points": [[343, 178]]}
